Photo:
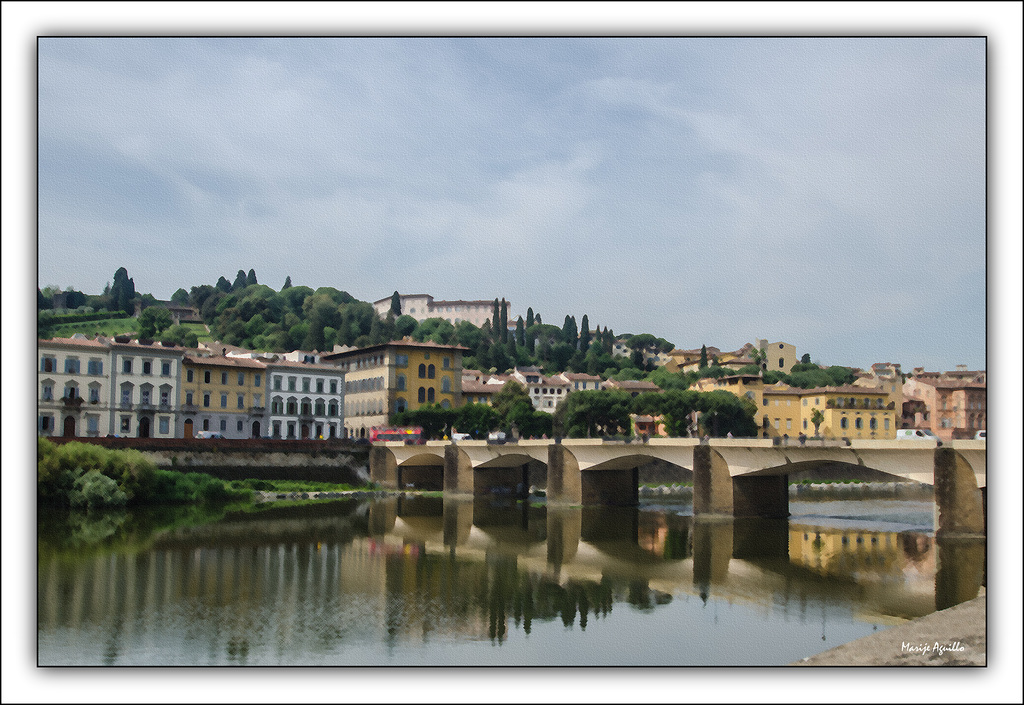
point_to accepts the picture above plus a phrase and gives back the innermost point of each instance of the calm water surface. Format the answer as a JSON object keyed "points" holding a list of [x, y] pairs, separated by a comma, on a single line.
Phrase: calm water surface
{"points": [[431, 581]]}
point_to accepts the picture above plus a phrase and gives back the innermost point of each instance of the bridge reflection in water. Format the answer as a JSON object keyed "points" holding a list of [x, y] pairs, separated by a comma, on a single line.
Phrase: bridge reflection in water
{"points": [[402, 568]]}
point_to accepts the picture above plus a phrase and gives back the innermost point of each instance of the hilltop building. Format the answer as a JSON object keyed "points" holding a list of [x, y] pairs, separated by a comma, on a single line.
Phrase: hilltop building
{"points": [[423, 306]]}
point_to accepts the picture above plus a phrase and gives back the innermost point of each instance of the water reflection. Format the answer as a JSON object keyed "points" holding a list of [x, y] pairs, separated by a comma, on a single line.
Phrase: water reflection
{"points": [[331, 583]]}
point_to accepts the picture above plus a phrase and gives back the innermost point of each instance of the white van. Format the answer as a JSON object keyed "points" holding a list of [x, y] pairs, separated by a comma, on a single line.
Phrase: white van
{"points": [[980, 435], [915, 434]]}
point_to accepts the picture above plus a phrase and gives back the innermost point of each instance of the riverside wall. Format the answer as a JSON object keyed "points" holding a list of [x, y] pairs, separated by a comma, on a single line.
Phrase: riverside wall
{"points": [[262, 459]]}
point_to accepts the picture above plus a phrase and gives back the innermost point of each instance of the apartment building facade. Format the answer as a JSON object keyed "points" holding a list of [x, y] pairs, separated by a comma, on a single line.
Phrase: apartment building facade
{"points": [[305, 400], [73, 388], [146, 379], [223, 395]]}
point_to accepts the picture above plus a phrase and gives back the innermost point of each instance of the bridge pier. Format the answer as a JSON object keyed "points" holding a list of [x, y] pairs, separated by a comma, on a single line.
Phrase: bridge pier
{"points": [[611, 487], [458, 471], [716, 492], [565, 484], [383, 467], [960, 503], [760, 496]]}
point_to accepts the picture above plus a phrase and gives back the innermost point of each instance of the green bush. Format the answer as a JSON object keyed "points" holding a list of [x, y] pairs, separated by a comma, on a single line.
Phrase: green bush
{"points": [[95, 490]]}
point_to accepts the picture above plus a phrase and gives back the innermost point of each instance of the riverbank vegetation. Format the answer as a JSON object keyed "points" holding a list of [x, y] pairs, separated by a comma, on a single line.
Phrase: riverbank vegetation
{"points": [[84, 475]]}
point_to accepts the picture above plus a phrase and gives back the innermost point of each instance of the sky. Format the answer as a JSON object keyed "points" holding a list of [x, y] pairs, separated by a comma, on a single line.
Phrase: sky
{"points": [[826, 192]]}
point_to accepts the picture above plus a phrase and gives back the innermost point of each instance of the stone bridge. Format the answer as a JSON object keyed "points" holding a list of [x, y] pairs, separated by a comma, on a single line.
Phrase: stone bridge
{"points": [[732, 477]]}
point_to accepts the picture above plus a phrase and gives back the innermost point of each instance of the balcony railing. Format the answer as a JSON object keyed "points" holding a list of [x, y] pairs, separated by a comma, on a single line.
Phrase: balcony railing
{"points": [[126, 405], [190, 408], [257, 410], [72, 402]]}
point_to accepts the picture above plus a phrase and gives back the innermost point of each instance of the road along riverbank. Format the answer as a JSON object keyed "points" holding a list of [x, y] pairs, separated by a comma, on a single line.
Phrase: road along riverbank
{"points": [[950, 637]]}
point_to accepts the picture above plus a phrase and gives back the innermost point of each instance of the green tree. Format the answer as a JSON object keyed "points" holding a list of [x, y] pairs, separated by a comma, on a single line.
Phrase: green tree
{"points": [[287, 283], [122, 293], [520, 332], [529, 318], [476, 419], [396, 304], [224, 285], [405, 325], [703, 357], [817, 418], [805, 358], [759, 356], [507, 397], [154, 320], [239, 282], [584, 334], [504, 321], [180, 297], [250, 278], [599, 412]]}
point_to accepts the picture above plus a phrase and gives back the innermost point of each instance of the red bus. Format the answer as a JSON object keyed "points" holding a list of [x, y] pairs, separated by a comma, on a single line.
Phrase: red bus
{"points": [[410, 435]]}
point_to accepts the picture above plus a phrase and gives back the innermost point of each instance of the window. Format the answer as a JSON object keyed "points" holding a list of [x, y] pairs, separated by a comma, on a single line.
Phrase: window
{"points": [[873, 423], [147, 367], [206, 376], [885, 424], [319, 410], [94, 395], [145, 395], [165, 425], [239, 425], [277, 429], [241, 378], [223, 400], [95, 367], [776, 424], [126, 365], [223, 425], [319, 386], [70, 391], [92, 425], [305, 384], [858, 422], [789, 424], [446, 363], [256, 379], [165, 397], [189, 376], [291, 429], [401, 360], [291, 406], [223, 377], [48, 364], [430, 394], [256, 399], [206, 399], [126, 395], [277, 383], [844, 422], [400, 406], [446, 384], [401, 383], [334, 386], [276, 406], [206, 424], [421, 395], [48, 391], [241, 401], [188, 398], [423, 371], [764, 402], [126, 424], [782, 363], [805, 424], [332, 409], [46, 422], [291, 384], [165, 369]]}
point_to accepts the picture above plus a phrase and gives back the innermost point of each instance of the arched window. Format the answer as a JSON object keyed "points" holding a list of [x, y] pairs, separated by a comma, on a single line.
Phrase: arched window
{"points": [[858, 422], [401, 383], [844, 422], [430, 393], [430, 372], [319, 407], [423, 371], [421, 396], [873, 424], [332, 409], [446, 404], [400, 406]]}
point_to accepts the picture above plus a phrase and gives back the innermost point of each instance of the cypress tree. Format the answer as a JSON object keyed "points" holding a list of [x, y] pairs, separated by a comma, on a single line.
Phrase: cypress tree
{"points": [[495, 321], [584, 334], [239, 281], [224, 285], [396, 304], [703, 357], [287, 283], [250, 279], [520, 333], [529, 317], [504, 321]]}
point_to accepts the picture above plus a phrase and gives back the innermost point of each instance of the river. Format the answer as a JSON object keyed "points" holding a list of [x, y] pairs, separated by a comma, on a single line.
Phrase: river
{"points": [[421, 580]]}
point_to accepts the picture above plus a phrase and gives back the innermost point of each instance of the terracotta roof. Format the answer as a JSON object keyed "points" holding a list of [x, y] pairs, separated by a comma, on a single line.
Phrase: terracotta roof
{"points": [[221, 361], [633, 384], [75, 342], [480, 388], [784, 390], [393, 344], [846, 389], [301, 365], [580, 376]]}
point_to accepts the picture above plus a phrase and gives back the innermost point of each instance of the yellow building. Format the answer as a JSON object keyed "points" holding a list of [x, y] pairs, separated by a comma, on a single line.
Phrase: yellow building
{"points": [[850, 412], [781, 411], [381, 380], [749, 386], [223, 395]]}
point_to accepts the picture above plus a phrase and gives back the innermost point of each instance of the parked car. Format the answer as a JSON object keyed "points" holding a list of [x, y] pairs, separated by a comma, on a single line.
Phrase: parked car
{"points": [[915, 434], [461, 437], [980, 435]]}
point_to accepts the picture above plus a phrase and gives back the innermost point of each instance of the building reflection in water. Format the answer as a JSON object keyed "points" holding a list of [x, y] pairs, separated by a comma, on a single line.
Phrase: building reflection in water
{"points": [[417, 569]]}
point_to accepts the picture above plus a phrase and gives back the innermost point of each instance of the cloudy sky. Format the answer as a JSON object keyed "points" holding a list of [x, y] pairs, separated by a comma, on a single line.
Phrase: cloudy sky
{"points": [[825, 192]]}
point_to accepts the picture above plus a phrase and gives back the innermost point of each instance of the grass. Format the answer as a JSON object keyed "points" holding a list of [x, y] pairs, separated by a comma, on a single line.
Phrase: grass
{"points": [[293, 486], [106, 327]]}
